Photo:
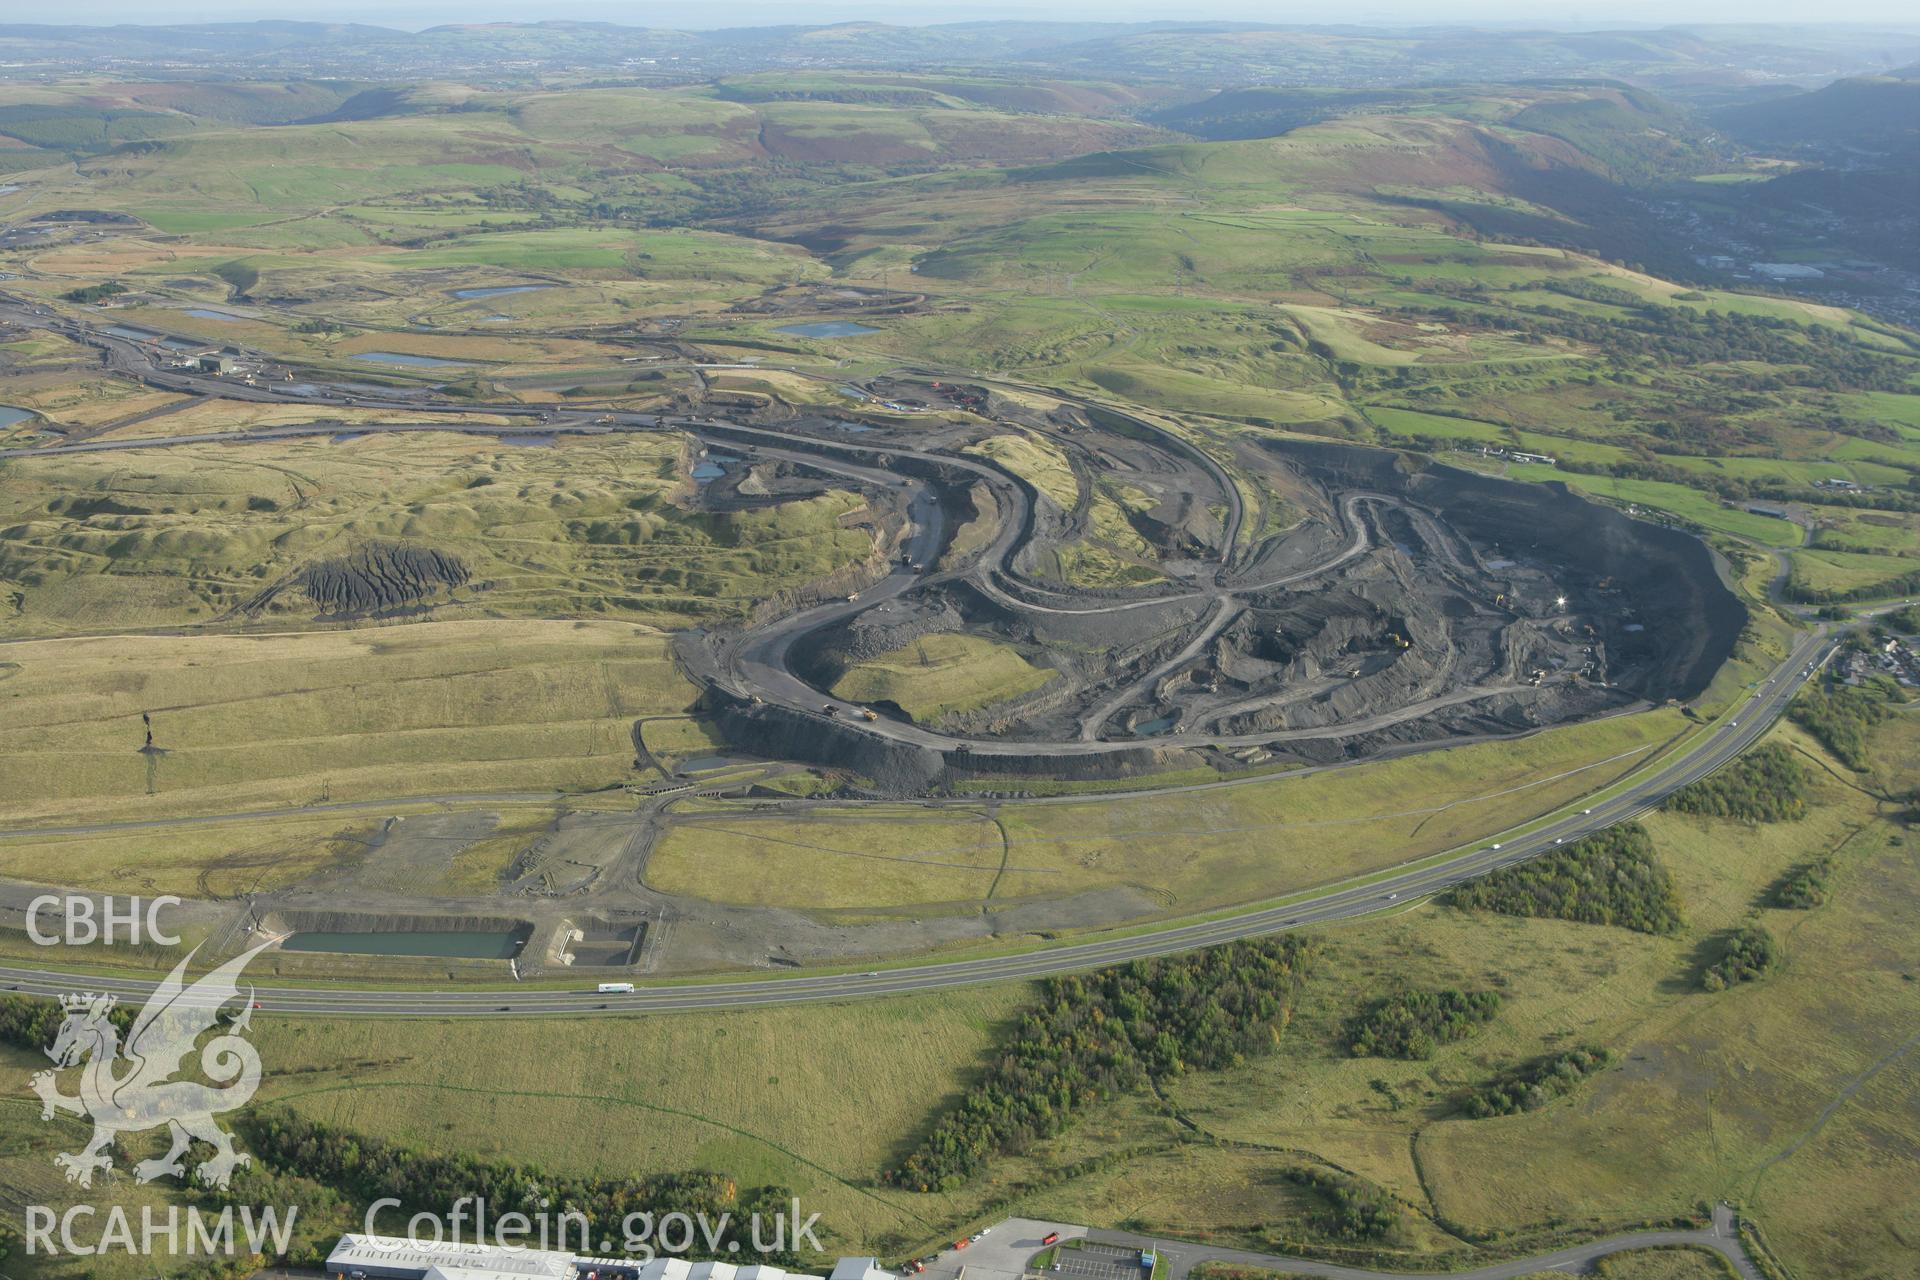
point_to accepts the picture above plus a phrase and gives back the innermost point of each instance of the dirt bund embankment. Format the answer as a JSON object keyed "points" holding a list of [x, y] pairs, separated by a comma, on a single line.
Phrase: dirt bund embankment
{"points": [[1690, 618], [904, 768]]}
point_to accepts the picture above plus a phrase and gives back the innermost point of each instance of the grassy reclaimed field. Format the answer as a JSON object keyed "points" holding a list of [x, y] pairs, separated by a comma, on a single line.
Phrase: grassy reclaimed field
{"points": [[890, 858], [942, 675], [1186, 851], [259, 721]]}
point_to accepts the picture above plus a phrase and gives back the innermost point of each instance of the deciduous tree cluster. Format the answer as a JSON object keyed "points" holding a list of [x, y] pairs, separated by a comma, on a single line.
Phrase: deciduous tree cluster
{"points": [[1751, 954], [1840, 718], [1535, 1083], [1411, 1024], [1105, 1033], [1766, 785], [1806, 886], [1610, 877], [368, 1168]]}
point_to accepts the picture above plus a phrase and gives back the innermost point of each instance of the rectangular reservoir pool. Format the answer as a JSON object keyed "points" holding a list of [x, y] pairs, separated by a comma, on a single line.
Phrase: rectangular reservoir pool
{"points": [[412, 362], [827, 329], [495, 291], [447, 944]]}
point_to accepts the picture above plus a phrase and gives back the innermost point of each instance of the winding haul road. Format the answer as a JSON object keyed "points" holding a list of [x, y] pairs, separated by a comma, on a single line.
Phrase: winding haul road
{"points": [[1014, 1243]]}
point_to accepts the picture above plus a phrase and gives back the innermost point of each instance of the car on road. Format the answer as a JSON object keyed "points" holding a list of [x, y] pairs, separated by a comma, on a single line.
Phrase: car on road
{"points": [[1495, 845], [1586, 811], [1052, 1237], [1559, 840]]}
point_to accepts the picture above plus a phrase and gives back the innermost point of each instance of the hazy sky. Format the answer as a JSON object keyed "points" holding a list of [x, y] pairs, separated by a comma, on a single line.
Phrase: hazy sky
{"points": [[727, 13]]}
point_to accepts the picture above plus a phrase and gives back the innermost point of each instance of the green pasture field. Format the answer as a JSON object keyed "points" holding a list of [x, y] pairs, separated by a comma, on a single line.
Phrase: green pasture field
{"points": [[1689, 504], [1412, 422], [1882, 531], [1847, 571], [1902, 411]]}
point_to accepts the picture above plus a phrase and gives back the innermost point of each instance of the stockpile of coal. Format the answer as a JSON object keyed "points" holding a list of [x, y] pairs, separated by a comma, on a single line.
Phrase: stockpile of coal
{"points": [[376, 579]]}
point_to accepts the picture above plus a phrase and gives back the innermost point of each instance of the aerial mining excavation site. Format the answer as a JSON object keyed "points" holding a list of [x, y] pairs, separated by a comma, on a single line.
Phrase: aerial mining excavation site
{"points": [[1031, 590], [1368, 603]]}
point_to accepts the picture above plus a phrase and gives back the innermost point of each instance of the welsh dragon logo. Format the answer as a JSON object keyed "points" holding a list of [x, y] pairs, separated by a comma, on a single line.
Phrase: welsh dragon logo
{"points": [[130, 1088]]}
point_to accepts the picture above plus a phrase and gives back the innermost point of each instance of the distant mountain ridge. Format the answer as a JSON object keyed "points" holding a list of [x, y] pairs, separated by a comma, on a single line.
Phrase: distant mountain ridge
{"points": [[1872, 113], [1637, 136], [1206, 55]]}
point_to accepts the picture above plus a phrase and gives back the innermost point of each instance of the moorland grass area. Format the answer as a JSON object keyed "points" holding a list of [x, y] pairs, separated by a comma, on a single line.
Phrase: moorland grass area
{"points": [[1697, 1109], [205, 533], [743, 1094]]}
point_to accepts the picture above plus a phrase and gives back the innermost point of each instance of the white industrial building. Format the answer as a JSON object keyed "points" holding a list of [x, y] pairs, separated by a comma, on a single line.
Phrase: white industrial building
{"points": [[358, 1257]]}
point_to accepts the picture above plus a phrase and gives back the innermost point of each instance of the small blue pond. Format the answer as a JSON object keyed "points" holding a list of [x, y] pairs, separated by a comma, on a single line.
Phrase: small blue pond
{"points": [[827, 329]]}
